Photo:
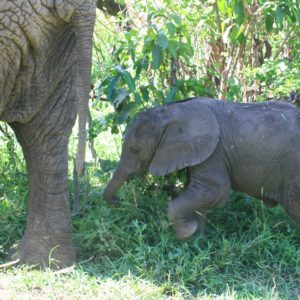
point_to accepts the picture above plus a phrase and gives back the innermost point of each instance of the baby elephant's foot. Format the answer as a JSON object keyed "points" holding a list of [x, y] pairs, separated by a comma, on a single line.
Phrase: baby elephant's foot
{"points": [[184, 227]]}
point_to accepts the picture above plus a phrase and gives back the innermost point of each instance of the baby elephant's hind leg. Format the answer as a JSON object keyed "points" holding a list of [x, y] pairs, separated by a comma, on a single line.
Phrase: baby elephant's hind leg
{"points": [[187, 211], [292, 203]]}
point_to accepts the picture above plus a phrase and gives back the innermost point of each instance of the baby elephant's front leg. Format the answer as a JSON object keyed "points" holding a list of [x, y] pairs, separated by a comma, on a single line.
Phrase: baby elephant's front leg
{"points": [[183, 214], [187, 212]]}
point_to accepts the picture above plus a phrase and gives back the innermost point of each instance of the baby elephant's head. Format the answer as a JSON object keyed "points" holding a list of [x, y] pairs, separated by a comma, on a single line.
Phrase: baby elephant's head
{"points": [[138, 149], [163, 140]]}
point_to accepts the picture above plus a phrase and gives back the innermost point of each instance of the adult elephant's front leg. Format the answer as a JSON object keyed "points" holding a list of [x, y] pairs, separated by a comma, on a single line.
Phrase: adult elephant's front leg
{"points": [[48, 239]]}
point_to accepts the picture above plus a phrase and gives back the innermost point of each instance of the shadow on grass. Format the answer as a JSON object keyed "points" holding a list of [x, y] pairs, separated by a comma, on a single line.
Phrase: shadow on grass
{"points": [[248, 250]]}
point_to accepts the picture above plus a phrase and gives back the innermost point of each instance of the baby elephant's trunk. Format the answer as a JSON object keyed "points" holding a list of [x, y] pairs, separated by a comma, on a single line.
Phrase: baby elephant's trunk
{"points": [[115, 183]]}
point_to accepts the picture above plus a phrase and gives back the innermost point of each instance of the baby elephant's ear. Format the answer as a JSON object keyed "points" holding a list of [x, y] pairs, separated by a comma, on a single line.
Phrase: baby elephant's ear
{"points": [[190, 136]]}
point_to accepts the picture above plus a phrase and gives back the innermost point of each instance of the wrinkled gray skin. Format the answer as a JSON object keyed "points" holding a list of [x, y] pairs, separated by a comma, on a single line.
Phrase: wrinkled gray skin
{"points": [[253, 148], [45, 62]]}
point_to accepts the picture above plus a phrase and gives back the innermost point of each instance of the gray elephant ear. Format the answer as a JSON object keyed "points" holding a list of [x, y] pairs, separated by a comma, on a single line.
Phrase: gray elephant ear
{"points": [[190, 135]]}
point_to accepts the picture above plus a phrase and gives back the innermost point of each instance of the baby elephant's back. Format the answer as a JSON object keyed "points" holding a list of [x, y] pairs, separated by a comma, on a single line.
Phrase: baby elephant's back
{"points": [[264, 145], [271, 129]]}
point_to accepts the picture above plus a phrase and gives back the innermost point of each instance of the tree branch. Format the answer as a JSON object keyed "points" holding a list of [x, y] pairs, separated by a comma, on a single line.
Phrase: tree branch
{"points": [[284, 42]]}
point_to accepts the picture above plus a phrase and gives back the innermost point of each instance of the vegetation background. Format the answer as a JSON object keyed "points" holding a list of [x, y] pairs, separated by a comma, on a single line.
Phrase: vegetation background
{"points": [[148, 53]]}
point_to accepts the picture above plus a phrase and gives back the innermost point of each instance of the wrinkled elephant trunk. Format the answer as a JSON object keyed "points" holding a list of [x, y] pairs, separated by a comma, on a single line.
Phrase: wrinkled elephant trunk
{"points": [[115, 183], [83, 25]]}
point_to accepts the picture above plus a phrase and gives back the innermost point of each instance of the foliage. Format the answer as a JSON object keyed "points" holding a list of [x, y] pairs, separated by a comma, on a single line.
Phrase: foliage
{"points": [[166, 51], [274, 79], [13, 191]]}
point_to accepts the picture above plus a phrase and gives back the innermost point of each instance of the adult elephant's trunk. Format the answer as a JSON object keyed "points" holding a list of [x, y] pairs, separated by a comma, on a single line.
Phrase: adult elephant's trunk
{"points": [[115, 183], [83, 28]]}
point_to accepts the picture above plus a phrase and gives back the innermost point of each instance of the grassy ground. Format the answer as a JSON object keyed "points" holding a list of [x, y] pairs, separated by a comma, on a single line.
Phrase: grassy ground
{"points": [[130, 252]]}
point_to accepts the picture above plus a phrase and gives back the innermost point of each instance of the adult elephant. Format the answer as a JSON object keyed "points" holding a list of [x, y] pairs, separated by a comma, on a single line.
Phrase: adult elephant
{"points": [[45, 62]]}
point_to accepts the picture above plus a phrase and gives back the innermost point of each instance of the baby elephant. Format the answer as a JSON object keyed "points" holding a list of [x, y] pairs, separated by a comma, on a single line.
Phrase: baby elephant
{"points": [[252, 148]]}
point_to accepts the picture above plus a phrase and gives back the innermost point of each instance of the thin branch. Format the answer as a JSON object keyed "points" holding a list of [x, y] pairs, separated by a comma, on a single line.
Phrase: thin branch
{"points": [[173, 72], [65, 271], [10, 264], [283, 43]]}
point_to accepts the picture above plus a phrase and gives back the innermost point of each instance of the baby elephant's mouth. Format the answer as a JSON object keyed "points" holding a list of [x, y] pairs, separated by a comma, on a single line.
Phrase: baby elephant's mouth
{"points": [[144, 166]]}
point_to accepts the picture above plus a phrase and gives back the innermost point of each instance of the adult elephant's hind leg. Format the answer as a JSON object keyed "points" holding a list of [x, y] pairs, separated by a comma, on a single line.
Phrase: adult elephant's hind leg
{"points": [[48, 238]]}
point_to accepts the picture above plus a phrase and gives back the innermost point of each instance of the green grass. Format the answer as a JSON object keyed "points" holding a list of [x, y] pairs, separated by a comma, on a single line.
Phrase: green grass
{"points": [[130, 252]]}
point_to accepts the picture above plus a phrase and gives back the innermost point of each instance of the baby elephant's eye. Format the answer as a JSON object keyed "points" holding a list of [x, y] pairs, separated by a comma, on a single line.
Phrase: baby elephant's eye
{"points": [[134, 150]]}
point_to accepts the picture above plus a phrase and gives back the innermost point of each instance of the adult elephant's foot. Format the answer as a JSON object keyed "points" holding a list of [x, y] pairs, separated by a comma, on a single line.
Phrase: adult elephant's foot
{"points": [[42, 249], [44, 252], [47, 241]]}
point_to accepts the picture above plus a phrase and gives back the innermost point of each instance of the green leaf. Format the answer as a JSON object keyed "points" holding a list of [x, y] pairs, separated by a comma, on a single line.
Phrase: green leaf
{"points": [[186, 51], [230, 32], [148, 40], [129, 81], [121, 95], [269, 21], [127, 111], [291, 13], [107, 165], [239, 10], [118, 51], [132, 54], [138, 69], [298, 16], [172, 94], [137, 98], [111, 86], [114, 129], [242, 39], [240, 32], [130, 34], [177, 19], [173, 48], [279, 15], [145, 93], [222, 6], [145, 62], [157, 56], [160, 96], [171, 28], [162, 40]]}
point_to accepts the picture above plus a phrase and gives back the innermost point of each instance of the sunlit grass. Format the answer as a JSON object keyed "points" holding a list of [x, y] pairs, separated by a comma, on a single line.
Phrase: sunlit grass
{"points": [[24, 283]]}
